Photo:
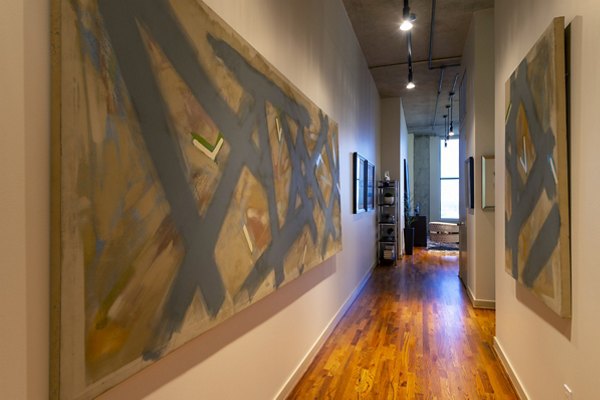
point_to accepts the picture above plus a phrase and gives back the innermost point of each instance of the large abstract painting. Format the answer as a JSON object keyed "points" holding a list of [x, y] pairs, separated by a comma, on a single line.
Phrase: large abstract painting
{"points": [[190, 178], [537, 187]]}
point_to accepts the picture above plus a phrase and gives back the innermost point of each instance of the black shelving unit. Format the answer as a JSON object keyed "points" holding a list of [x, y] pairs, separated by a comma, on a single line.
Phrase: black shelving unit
{"points": [[387, 221]]}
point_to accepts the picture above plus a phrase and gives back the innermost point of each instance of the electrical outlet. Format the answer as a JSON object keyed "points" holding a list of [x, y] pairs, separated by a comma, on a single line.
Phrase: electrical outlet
{"points": [[567, 392]]}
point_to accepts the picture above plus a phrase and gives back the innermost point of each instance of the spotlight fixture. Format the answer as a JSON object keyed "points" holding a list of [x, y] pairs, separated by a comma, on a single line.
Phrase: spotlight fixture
{"points": [[406, 25], [407, 18], [410, 84]]}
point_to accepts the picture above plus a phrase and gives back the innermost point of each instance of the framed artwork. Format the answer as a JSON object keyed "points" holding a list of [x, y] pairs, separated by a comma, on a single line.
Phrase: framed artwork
{"points": [[370, 186], [363, 186], [488, 185], [537, 172], [359, 164], [470, 182], [190, 179]]}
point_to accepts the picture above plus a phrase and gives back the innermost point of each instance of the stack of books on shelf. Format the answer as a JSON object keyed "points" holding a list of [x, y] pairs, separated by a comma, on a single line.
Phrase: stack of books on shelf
{"points": [[388, 252]]}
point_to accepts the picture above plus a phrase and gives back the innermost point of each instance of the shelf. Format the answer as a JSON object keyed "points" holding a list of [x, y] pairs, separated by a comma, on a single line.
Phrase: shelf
{"points": [[387, 223]]}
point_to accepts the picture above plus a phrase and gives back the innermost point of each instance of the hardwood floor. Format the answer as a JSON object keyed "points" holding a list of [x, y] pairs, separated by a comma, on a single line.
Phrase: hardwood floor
{"points": [[411, 334]]}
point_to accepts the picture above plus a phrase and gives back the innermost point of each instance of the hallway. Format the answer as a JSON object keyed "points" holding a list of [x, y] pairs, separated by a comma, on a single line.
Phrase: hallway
{"points": [[411, 334]]}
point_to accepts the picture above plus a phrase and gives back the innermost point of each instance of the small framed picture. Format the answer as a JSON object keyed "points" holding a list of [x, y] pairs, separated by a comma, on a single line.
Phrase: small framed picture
{"points": [[470, 182], [488, 184]]}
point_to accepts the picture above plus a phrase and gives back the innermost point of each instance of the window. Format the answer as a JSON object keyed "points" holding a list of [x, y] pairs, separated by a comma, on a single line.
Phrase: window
{"points": [[449, 184]]}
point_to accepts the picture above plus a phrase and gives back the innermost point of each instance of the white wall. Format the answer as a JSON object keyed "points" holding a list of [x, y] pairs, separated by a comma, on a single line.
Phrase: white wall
{"points": [[24, 199], [411, 161], [546, 352], [403, 156], [478, 134], [484, 145], [253, 354]]}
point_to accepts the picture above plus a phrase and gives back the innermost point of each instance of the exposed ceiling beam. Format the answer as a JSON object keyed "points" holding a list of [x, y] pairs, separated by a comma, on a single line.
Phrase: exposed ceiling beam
{"points": [[454, 58]]}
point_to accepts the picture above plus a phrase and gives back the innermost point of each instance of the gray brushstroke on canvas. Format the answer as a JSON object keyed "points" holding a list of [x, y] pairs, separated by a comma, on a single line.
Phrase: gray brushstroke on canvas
{"points": [[542, 249], [525, 195], [262, 89], [199, 269], [120, 19]]}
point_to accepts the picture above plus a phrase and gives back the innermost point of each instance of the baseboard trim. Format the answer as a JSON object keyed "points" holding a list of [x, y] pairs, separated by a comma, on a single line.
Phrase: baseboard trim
{"points": [[479, 303], [514, 379], [310, 356]]}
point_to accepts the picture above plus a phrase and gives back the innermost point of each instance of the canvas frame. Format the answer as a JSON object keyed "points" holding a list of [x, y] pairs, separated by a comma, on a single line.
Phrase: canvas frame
{"points": [[537, 223]]}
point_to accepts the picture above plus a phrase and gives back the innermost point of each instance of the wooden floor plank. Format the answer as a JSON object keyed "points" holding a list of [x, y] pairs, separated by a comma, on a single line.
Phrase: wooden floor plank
{"points": [[411, 334]]}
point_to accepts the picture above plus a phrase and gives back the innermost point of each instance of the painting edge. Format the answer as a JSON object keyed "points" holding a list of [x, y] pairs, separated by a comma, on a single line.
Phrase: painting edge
{"points": [[563, 164], [55, 199]]}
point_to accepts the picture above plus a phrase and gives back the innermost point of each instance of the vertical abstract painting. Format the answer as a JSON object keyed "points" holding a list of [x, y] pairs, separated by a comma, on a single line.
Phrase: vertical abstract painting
{"points": [[537, 187], [190, 179]]}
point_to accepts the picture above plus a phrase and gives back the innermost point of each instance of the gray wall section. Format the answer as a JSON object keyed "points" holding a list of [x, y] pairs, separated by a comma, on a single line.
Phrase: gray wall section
{"points": [[421, 175], [434, 180], [390, 137]]}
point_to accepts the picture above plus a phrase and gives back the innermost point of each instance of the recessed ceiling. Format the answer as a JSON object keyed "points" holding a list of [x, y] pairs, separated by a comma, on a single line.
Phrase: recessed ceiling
{"points": [[376, 24]]}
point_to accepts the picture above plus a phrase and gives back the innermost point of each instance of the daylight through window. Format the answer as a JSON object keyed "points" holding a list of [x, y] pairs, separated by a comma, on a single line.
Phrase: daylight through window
{"points": [[449, 186]]}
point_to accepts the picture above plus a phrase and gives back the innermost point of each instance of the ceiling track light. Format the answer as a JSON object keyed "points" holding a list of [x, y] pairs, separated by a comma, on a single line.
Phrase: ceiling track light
{"points": [[445, 131], [447, 122], [407, 18], [449, 117], [451, 130], [410, 84]]}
